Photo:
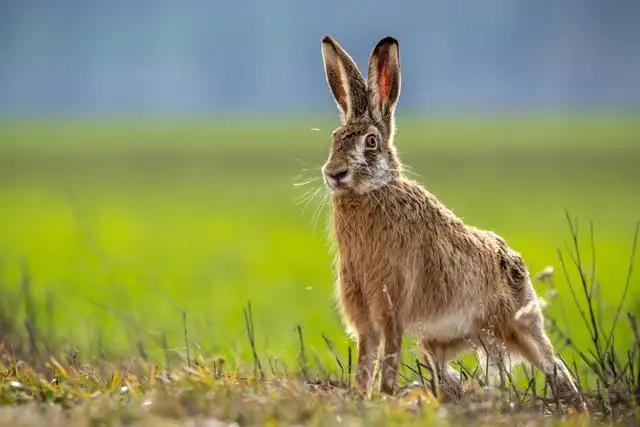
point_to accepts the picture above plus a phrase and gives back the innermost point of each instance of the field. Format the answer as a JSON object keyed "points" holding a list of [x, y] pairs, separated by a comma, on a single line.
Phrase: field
{"points": [[125, 234]]}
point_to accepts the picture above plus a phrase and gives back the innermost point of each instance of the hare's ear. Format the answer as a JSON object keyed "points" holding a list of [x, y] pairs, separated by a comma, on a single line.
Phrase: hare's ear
{"points": [[346, 82], [384, 77]]}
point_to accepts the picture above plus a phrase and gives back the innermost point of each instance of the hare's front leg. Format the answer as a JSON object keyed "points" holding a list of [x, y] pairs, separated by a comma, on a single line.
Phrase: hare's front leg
{"points": [[356, 313], [387, 319], [392, 334], [368, 344]]}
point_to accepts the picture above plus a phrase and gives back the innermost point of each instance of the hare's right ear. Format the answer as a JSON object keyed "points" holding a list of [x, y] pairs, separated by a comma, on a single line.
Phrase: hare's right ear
{"points": [[344, 78]]}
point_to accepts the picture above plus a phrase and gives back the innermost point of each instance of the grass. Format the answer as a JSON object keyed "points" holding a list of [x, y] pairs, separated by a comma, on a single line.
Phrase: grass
{"points": [[124, 235], [63, 389], [204, 390]]}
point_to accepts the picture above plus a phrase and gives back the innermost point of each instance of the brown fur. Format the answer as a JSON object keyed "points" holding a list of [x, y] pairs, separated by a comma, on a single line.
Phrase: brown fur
{"points": [[405, 261]]}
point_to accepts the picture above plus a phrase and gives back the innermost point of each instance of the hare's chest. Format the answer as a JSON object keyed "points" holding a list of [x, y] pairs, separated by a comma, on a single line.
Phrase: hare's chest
{"points": [[366, 247]]}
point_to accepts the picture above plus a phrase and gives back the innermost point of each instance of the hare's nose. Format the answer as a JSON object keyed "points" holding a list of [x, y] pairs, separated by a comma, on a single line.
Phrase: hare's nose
{"points": [[339, 175]]}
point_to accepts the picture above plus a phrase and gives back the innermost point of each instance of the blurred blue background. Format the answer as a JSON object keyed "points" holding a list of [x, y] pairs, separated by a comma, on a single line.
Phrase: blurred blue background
{"points": [[190, 57]]}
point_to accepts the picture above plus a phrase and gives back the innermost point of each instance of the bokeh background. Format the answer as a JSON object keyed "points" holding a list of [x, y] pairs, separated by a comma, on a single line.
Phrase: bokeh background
{"points": [[160, 157]]}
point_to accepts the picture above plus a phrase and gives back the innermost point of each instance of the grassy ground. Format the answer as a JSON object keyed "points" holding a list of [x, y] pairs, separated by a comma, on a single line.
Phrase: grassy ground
{"points": [[124, 232]]}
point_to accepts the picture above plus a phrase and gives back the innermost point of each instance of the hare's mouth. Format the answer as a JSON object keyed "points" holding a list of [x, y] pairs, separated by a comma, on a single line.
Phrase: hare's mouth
{"points": [[339, 185], [338, 179]]}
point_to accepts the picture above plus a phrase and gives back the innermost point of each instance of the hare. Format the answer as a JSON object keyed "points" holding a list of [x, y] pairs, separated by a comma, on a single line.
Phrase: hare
{"points": [[408, 263]]}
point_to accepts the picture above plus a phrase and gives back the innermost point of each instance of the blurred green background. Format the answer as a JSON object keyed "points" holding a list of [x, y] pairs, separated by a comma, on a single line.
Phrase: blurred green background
{"points": [[125, 225], [160, 158]]}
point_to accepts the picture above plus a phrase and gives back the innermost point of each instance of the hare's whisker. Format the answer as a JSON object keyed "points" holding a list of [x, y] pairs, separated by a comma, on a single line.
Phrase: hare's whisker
{"points": [[308, 181]]}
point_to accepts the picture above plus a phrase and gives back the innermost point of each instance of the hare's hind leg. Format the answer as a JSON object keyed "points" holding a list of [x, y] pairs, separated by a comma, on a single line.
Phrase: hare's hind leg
{"points": [[533, 344], [436, 355]]}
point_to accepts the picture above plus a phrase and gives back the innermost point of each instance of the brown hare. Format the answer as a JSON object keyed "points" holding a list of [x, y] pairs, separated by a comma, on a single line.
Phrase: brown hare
{"points": [[408, 263]]}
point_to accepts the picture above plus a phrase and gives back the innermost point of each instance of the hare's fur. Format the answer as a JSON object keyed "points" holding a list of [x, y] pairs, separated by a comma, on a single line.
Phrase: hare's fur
{"points": [[408, 263]]}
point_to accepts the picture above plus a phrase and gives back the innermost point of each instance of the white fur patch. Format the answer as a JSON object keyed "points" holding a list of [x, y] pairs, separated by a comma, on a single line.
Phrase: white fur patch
{"points": [[359, 155], [381, 175], [446, 327]]}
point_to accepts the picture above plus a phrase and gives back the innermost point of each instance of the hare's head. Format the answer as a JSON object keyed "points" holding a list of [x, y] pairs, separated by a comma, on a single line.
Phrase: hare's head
{"points": [[363, 156]]}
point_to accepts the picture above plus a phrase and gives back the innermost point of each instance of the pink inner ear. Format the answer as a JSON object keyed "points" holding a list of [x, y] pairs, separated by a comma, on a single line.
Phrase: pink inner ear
{"points": [[384, 75]]}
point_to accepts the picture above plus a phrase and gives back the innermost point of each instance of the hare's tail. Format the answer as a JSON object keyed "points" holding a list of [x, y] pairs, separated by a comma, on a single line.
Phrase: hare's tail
{"points": [[529, 314]]}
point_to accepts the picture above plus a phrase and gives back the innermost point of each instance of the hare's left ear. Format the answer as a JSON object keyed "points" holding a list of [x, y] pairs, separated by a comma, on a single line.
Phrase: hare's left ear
{"points": [[384, 77]]}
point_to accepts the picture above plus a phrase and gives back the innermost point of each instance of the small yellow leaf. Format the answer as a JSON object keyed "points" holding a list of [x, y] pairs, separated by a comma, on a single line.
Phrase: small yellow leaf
{"points": [[115, 380], [61, 370], [152, 375]]}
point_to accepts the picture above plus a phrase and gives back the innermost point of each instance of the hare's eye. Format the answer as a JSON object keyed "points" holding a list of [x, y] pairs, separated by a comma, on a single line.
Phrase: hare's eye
{"points": [[371, 142]]}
